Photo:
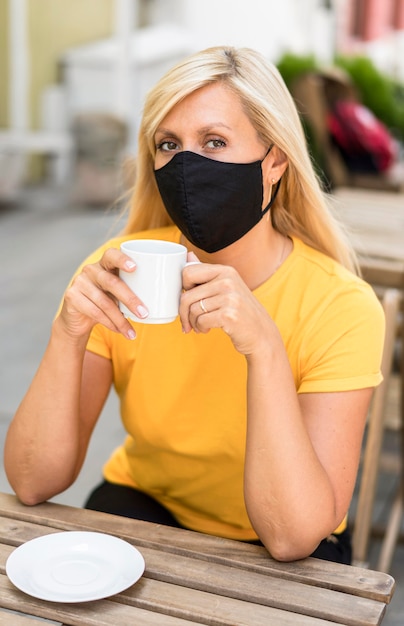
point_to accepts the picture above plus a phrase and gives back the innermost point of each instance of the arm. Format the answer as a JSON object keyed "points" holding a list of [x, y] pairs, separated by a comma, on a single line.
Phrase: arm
{"points": [[48, 437], [301, 464], [302, 452]]}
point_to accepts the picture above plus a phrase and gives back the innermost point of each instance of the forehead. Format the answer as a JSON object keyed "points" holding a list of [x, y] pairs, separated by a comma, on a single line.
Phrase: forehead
{"points": [[212, 102]]}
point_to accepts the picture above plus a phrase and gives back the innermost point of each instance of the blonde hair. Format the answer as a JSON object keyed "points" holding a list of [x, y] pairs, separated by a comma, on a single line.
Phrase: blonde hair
{"points": [[301, 207]]}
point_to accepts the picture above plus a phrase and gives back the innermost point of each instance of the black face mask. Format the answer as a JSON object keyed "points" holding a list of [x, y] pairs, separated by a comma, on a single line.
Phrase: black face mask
{"points": [[213, 203]]}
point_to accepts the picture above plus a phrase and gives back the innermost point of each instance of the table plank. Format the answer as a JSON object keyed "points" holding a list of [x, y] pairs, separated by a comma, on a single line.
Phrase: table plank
{"points": [[210, 608], [349, 579], [227, 581], [99, 613], [14, 619]]}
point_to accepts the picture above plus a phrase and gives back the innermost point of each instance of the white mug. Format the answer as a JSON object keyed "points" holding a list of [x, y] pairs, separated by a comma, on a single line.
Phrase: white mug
{"points": [[157, 279]]}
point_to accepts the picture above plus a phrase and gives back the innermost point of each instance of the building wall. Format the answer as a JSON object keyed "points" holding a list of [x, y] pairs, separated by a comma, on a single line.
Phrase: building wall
{"points": [[57, 26], [378, 19], [272, 27], [374, 28], [399, 14], [3, 63], [53, 26]]}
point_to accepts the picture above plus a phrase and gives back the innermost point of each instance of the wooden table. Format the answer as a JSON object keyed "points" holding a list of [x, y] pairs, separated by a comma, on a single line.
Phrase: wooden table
{"points": [[375, 223], [191, 578]]}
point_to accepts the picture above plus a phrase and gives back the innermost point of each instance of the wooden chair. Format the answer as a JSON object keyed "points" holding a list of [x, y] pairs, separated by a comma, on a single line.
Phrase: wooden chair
{"points": [[372, 452], [385, 274], [315, 94]]}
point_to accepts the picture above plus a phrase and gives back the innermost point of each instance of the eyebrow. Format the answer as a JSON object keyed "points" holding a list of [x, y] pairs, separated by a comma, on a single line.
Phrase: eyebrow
{"points": [[209, 127], [201, 131]]}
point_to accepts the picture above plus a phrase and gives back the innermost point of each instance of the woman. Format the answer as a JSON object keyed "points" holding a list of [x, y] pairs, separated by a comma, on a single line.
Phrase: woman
{"points": [[244, 416]]}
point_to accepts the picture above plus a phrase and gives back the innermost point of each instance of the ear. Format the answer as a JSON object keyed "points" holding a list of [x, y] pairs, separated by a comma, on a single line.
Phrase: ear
{"points": [[274, 166]]}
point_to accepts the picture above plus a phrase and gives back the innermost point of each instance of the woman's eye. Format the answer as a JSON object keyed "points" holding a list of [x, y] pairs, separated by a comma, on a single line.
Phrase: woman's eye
{"points": [[215, 143], [167, 146]]}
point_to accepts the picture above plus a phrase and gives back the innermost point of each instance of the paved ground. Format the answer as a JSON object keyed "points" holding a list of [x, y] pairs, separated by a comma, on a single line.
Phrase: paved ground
{"points": [[42, 240]]}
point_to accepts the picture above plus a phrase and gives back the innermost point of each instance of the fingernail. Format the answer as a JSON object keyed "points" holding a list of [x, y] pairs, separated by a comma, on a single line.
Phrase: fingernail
{"points": [[130, 265], [142, 311], [131, 334]]}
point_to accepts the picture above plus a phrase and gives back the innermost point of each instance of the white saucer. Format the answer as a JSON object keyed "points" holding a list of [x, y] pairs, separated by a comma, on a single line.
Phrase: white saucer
{"points": [[74, 566]]}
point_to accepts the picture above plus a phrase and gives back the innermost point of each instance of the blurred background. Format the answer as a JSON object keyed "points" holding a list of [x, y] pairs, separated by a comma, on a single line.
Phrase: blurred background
{"points": [[74, 73], [73, 78]]}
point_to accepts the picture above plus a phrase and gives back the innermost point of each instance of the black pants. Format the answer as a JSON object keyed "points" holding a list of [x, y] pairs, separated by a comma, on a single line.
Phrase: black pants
{"points": [[128, 502]]}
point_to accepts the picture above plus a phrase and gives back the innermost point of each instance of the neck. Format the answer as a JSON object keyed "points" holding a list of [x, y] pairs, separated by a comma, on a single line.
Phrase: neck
{"points": [[256, 256]]}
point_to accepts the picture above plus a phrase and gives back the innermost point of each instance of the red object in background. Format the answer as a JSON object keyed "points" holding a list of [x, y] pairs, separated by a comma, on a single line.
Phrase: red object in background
{"points": [[364, 141]]}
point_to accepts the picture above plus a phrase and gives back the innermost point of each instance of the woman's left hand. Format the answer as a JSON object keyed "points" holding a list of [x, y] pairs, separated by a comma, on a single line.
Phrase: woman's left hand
{"points": [[215, 296]]}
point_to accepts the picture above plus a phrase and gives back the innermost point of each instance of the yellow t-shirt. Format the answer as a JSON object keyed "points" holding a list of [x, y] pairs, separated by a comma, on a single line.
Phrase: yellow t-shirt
{"points": [[183, 396]]}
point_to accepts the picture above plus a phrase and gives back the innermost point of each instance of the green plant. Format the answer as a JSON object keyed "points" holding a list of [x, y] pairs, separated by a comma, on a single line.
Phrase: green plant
{"points": [[378, 92], [291, 66]]}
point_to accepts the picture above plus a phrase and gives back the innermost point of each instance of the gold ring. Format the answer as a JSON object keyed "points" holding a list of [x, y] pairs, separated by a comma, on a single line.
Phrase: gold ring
{"points": [[203, 307]]}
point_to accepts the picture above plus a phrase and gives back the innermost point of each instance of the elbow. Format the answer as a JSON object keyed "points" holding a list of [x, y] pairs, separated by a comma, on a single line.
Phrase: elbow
{"points": [[286, 551], [289, 543], [31, 492], [290, 537], [27, 496], [29, 499], [22, 488], [286, 548], [31, 496]]}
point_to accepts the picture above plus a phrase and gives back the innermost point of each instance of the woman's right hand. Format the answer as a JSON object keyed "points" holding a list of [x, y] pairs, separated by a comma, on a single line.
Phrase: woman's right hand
{"points": [[93, 297]]}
